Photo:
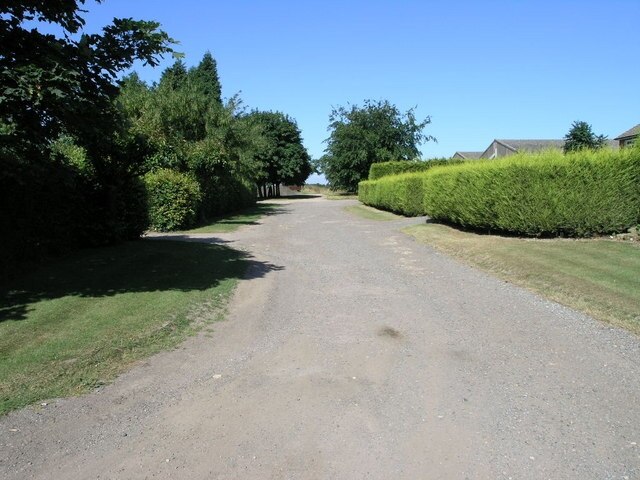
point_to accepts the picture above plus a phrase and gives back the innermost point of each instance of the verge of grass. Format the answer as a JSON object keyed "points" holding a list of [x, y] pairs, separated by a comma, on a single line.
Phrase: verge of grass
{"points": [[315, 189], [597, 276], [370, 213], [232, 222], [77, 322], [341, 196]]}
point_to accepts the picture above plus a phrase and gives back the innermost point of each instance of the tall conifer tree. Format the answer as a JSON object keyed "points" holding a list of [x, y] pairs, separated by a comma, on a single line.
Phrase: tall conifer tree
{"points": [[206, 75], [174, 76]]}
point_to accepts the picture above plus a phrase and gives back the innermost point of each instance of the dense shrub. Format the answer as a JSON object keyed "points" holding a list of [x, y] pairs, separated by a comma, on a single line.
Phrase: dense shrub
{"points": [[224, 194], [173, 199], [42, 208], [134, 216], [401, 194], [579, 194], [52, 205], [383, 169]]}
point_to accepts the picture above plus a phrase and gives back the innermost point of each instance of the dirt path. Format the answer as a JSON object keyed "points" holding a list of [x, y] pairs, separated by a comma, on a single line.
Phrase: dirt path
{"points": [[359, 354]]}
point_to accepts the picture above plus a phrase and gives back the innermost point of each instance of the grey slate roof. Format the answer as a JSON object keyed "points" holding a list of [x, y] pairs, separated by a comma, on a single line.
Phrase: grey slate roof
{"points": [[632, 132], [469, 155], [531, 145]]}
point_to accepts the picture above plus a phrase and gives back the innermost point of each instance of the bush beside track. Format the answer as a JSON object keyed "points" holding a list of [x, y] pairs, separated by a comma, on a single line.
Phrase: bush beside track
{"points": [[543, 194]]}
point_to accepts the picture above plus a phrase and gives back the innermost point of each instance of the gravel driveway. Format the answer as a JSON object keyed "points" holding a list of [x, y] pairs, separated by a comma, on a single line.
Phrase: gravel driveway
{"points": [[353, 352]]}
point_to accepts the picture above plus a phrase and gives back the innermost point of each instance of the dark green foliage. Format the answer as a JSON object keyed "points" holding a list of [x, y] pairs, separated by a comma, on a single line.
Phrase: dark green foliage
{"points": [[206, 76], [52, 85], [68, 163], [281, 158], [383, 169], [581, 136], [189, 130], [223, 194], [175, 76], [173, 199], [361, 136], [54, 204], [581, 194]]}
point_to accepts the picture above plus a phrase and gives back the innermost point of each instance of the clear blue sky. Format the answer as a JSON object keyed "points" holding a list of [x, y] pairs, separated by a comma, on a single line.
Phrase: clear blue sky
{"points": [[480, 69]]}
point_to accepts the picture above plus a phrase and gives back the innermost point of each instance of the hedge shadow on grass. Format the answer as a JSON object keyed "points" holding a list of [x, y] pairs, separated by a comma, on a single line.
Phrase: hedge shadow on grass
{"points": [[142, 266], [486, 231]]}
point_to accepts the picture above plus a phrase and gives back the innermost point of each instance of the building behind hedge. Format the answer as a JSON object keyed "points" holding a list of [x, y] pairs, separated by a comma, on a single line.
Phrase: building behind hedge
{"points": [[627, 138]]}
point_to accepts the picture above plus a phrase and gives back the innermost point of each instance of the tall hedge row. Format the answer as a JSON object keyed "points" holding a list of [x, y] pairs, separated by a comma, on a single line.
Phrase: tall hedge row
{"points": [[403, 194], [579, 194], [50, 206], [383, 169]]}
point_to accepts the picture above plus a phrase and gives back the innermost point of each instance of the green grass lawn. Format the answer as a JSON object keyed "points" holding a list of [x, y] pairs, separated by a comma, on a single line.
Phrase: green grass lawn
{"points": [[77, 322], [370, 213], [231, 223], [600, 277], [341, 196]]}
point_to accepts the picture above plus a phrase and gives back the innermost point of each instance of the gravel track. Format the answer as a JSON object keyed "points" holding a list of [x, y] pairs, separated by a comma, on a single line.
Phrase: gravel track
{"points": [[353, 352]]}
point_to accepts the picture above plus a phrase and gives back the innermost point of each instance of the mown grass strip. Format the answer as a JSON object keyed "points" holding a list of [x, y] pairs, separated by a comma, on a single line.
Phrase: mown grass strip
{"points": [[77, 322], [596, 276], [231, 223], [370, 213], [341, 196]]}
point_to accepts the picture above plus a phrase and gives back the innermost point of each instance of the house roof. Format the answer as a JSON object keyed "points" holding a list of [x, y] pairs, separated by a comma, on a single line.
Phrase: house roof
{"points": [[469, 155], [526, 145], [531, 145], [632, 132]]}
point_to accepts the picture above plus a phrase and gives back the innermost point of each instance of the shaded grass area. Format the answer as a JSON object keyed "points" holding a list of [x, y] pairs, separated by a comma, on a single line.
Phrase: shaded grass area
{"points": [[370, 213], [597, 276], [230, 223], [77, 322]]}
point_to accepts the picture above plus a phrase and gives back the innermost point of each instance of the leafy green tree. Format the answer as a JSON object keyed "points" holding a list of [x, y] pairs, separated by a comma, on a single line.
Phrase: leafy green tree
{"points": [[360, 136], [175, 76], [282, 157], [581, 136], [66, 84], [191, 131], [68, 174], [206, 76]]}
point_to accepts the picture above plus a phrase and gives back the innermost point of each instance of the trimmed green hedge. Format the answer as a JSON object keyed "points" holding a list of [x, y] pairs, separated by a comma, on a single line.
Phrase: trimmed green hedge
{"points": [[53, 203], [383, 169], [403, 194], [579, 194], [173, 199]]}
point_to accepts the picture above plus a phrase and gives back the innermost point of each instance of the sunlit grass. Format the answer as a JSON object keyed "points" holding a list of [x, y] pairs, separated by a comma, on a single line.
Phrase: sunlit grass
{"points": [[232, 222], [77, 322], [600, 277], [370, 213]]}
